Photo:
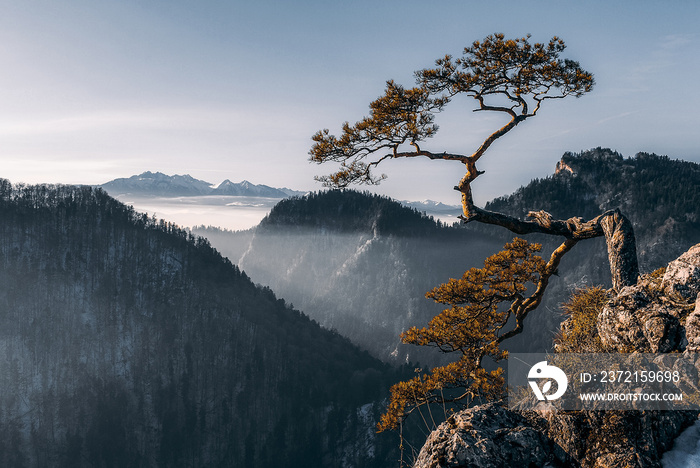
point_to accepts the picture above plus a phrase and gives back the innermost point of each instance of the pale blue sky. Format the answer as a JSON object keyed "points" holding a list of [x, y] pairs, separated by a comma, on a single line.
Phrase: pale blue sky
{"points": [[93, 90]]}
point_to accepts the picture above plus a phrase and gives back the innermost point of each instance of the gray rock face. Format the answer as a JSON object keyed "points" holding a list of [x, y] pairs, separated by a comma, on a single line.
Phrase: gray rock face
{"points": [[637, 321], [692, 328], [683, 275], [609, 439], [487, 436], [491, 436], [647, 317]]}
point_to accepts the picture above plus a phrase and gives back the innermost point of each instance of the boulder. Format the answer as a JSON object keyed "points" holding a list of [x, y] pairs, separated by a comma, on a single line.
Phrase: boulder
{"points": [[491, 436], [682, 275], [487, 436], [646, 317], [608, 439], [635, 321], [692, 328]]}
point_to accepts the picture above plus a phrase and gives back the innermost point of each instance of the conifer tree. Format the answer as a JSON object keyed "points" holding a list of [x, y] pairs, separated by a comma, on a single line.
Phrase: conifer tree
{"points": [[513, 77], [507, 76]]}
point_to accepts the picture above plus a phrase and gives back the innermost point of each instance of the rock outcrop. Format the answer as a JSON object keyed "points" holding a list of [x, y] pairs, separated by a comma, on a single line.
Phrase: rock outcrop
{"points": [[609, 439], [648, 316], [692, 328], [682, 276], [488, 436], [491, 436], [659, 314], [637, 319]]}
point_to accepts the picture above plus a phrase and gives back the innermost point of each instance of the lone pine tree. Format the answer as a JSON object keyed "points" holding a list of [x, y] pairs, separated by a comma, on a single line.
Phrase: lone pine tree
{"points": [[515, 78]]}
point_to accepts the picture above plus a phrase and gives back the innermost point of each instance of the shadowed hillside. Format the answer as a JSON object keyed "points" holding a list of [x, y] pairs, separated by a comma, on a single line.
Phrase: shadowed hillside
{"points": [[361, 263], [357, 263], [128, 342]]}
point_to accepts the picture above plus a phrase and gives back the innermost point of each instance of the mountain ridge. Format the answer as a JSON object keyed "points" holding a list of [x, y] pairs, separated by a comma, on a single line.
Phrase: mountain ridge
{"points": [[356, 262], [159, 184], [134, 343], [660, 196], [313, 249]]}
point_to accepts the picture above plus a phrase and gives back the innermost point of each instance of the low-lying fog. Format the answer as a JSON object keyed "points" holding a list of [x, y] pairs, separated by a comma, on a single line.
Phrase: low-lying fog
{"points": [[226, 212]]}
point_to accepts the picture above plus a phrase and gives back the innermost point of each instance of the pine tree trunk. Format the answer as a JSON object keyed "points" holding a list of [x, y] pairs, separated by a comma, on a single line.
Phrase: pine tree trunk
{"points": [[622, 250]]}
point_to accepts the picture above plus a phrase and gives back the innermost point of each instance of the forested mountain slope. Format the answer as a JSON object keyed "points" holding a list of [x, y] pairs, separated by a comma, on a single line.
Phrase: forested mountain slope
{"points": [[361, 263], [661, 197], [356, 262], [128, 342]]}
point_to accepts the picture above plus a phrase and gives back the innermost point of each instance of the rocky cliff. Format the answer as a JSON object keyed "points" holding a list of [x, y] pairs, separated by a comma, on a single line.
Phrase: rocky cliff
{"points": [[659, 314]]}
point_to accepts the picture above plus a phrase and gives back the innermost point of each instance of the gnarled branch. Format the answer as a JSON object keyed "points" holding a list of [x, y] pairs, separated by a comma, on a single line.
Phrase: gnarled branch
{"points": [[613, 225], [520, 309]]}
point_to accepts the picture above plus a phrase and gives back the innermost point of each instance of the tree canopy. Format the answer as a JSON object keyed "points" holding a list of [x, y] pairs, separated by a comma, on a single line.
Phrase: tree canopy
{"points": [[509, 76]]}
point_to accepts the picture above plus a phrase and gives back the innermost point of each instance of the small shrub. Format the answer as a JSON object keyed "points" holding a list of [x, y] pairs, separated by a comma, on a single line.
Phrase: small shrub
{"points": [[579, 332]]}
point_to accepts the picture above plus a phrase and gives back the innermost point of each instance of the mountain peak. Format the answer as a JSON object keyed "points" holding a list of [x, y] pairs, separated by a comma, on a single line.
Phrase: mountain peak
{"points": [[148, 174], [563, 168], [158, 184], [225, 183], [647, 188], [349, 211]]}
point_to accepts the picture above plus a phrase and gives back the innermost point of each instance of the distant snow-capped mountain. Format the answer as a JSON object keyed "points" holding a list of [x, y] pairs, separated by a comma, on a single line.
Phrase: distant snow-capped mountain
{"points": [[158, 184], [248, 189], [161, 185], [433, 207]]}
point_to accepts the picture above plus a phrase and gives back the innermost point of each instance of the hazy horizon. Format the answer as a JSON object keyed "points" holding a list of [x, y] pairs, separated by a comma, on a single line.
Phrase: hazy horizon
{"points": [[235, 213], [97, 90]]}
